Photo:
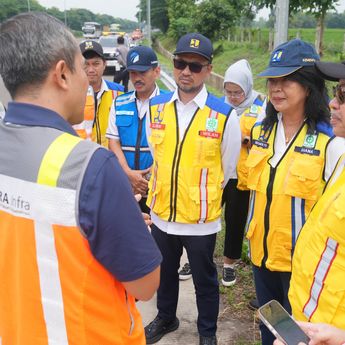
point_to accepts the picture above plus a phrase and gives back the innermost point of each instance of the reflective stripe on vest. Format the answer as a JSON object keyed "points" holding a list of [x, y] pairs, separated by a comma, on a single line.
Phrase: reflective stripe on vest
{"points": [[290, 189], [320, 275], [186, 184], [52, 301], [132, 133], [316, 290]]}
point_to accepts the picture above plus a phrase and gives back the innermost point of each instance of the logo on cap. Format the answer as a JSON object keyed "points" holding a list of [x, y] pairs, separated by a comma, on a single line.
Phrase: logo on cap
{"points": [[134, 57], [277, 56], [88, 45], [194, 43]]}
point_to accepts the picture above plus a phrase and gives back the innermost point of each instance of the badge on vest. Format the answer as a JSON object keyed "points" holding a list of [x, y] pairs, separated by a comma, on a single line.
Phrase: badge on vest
{"points": [[157, 125], [310, 141], [209, 134], [260, 143], [211, 124]]}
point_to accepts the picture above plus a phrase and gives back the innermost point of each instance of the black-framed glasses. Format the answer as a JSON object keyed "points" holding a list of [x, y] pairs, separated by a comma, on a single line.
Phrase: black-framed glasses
{"points": [[194, 67], [339, 93]]}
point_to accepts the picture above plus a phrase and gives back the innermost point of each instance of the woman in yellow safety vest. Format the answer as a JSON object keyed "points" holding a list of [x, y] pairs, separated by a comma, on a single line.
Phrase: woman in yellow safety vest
{"points": [[292, 155], [250, 106]]}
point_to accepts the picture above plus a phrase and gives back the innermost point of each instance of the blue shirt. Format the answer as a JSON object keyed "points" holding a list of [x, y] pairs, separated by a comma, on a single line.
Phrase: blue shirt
{"points": [[108, 212]]}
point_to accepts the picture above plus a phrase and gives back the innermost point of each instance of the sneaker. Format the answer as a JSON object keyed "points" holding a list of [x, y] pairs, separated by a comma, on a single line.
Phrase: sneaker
{"points": [[253, 304], [207, 340], [157, 328], [229, 276], [186, 272]]}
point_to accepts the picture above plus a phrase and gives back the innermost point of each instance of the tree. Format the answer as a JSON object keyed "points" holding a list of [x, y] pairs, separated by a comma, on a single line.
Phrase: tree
{"points": [[318, 8], [159, 13], [213, 18], [180, 12]]}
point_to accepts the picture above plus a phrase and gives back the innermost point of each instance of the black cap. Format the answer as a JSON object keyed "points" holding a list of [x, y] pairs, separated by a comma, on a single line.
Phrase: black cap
{"points": [[195, 43], [141, 59], [91, 46], [331, 70], [289, 57]]}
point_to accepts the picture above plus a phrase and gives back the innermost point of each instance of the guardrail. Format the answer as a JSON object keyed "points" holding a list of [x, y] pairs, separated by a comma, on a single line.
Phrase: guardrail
{"points": [[168, 81]]}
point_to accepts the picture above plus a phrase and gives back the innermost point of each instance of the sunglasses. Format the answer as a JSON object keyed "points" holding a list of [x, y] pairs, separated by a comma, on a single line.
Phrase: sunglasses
{"points": [[194, 67], [339, 93]]}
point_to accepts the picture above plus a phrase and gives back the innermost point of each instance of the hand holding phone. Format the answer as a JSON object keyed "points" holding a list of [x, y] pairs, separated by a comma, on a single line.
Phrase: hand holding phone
{"points": [[281, 324]]}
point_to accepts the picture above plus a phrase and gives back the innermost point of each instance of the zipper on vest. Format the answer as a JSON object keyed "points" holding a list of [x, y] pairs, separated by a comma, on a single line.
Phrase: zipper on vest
{"points": [[178, 154], [172, 194], [269, 192], [137, 146], [98, 131]]}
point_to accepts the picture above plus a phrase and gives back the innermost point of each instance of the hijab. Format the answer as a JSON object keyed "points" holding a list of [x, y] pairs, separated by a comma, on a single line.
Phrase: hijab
{"points": [[240, 73]]}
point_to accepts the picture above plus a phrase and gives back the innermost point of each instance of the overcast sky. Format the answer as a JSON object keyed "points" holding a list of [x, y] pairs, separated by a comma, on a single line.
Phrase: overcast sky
{"points": [[119, 8]]}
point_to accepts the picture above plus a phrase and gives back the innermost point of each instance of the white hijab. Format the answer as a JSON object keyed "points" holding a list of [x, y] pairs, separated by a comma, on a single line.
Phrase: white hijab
{"points": [[240, 73]]}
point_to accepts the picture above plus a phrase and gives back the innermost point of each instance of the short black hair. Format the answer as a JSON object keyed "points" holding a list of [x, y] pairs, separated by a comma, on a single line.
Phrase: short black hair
{"points": [[120, 40]]}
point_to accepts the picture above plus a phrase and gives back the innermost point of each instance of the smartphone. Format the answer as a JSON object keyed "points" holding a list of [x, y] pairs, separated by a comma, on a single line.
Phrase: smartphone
{"points": [[281, 324]]}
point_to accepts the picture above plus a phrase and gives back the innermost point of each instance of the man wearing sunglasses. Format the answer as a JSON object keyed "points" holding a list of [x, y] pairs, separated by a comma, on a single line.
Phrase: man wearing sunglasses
{"points": [[316, 293], [195, 141]]}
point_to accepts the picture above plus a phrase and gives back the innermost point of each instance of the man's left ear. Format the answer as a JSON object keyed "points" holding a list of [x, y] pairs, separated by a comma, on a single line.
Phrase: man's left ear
{"points": [[61, 73]]}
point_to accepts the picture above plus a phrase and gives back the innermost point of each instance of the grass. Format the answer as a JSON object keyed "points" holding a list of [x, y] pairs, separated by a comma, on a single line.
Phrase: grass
{"points": [[257, 53], [236, 298]]}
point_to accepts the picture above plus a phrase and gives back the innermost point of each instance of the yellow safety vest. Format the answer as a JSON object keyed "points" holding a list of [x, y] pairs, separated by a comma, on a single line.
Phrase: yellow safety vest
{"points": [[317, 290], [247, 121], [186, 183], [282, 197]]}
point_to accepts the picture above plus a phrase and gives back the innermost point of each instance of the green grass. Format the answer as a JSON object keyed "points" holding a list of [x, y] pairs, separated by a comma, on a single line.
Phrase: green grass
{"points": [[257, 53]]}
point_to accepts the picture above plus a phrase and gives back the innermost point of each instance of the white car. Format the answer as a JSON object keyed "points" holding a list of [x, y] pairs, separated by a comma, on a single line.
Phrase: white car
{"points": [[109, 45]]}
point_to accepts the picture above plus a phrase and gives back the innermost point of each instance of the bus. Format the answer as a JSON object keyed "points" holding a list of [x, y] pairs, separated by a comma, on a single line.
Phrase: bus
{"points": [[92, 30]]}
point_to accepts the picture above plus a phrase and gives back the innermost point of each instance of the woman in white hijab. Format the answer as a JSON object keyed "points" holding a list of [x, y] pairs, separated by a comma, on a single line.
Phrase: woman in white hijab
{"points": [[249, 105]]}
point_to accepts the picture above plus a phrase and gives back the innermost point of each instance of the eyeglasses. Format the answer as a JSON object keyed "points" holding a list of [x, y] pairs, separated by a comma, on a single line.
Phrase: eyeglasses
{"points": [[194, 67], [339, 93], [234, 94]]}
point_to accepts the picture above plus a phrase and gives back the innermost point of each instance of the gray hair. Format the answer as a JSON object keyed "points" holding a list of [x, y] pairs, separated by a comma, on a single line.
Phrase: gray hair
{"points": [[30, 44]]}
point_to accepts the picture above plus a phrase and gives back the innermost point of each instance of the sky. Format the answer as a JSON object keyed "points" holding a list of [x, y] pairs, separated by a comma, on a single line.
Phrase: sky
{"points": [[120, 8]]}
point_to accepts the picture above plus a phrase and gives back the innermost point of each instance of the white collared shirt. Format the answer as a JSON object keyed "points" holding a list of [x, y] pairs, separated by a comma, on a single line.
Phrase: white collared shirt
{"points": [[334, 150], [230, 149], [142, 106]]}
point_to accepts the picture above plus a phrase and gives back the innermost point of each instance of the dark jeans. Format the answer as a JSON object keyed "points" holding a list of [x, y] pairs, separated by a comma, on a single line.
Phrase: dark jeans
{"points": [[235, 216], [122, 76], [271, 285], [200, 255]]}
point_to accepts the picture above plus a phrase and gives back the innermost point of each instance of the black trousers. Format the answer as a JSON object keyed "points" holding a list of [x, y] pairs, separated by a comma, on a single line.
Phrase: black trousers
{"points": [[200, 255], [235, 216], [271, 285], [122, 76]]}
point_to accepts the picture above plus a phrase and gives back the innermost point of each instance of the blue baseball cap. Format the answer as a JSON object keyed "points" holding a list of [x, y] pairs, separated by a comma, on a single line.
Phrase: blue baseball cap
{"points": [[289, 57], [331, 70], [195, 43], [141, 59]]}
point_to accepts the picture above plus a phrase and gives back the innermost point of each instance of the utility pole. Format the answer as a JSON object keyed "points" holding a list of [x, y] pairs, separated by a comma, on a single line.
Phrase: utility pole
{"points": [[65, 14], [148, 11], [282, 22], [28, 5]]}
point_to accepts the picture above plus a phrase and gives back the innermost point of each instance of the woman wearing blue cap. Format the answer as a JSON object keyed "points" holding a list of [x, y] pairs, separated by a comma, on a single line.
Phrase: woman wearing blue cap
{"points": [[293, 154]]}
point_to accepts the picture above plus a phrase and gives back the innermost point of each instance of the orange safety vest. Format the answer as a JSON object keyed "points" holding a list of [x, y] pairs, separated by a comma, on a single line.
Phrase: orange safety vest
{"points": [[95, 123], [52, 290]]}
